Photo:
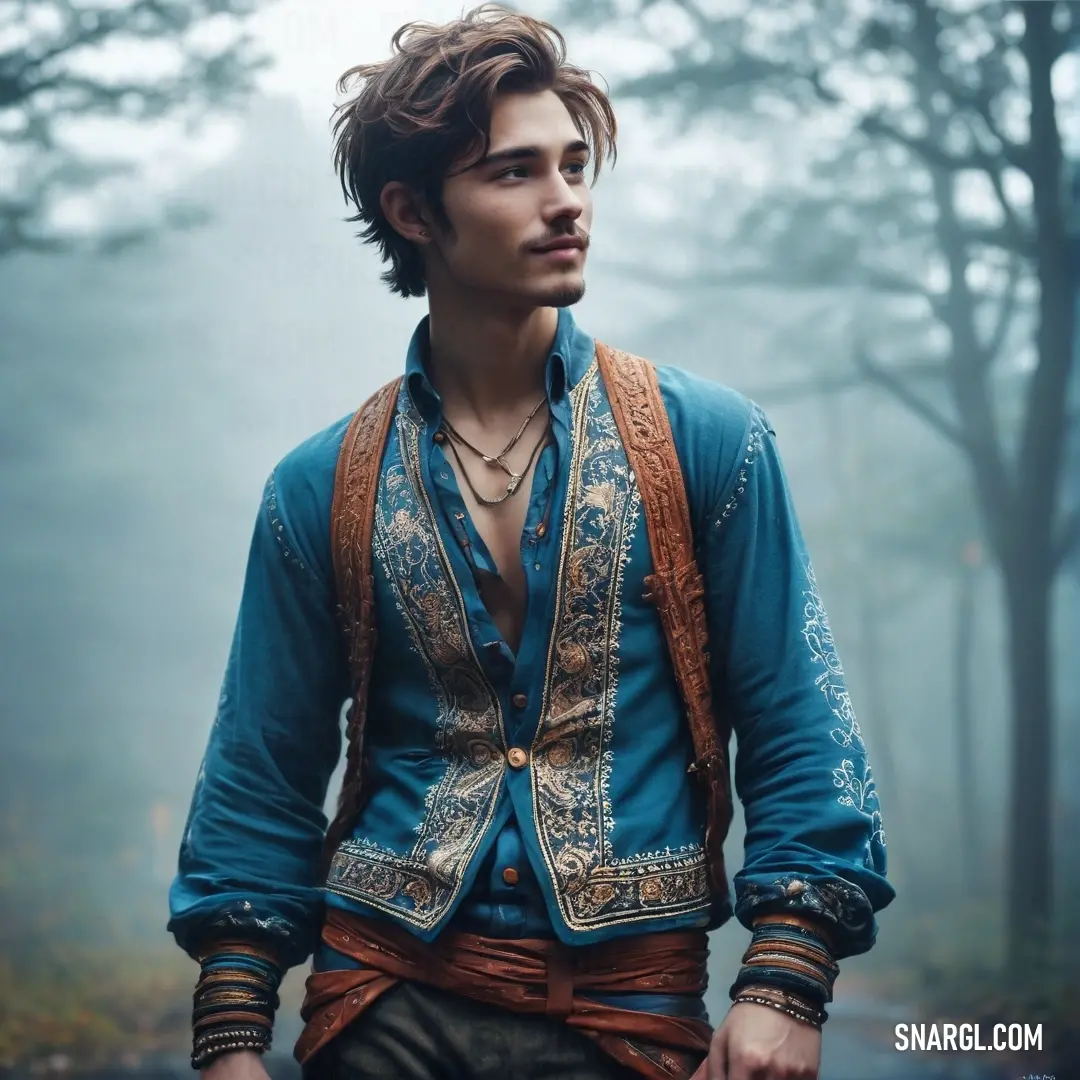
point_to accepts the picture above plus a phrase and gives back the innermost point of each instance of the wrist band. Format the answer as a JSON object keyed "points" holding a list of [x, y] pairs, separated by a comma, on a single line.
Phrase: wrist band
{"points": [[815, 1018], [791, 958], [234, 1001], [208, 1048]]}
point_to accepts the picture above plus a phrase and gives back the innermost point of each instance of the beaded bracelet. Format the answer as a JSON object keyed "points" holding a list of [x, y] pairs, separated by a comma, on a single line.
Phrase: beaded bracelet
{"points": [[230, 1039], [794, 1008], [234, 1001]]}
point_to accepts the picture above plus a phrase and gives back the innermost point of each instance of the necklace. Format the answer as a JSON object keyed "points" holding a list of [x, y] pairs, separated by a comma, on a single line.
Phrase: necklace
{"points": [[514, 482], [500, 458]]}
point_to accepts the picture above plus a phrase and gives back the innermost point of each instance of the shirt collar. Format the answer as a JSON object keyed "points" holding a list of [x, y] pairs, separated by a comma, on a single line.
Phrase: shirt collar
{"points": [[570, 356]]}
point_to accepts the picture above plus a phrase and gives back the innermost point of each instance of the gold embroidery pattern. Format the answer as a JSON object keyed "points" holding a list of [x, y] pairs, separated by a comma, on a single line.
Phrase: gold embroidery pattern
{"points": [[572, 759], [420, 887]]}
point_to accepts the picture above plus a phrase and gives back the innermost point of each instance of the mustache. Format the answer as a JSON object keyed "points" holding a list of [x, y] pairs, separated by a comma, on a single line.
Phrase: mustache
{"points": [[562, 234]]}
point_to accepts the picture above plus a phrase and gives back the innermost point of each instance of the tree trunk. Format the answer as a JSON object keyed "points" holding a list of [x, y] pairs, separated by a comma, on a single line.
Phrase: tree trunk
{"points": [[1029, 891], [1029, 565], [964, 646]]}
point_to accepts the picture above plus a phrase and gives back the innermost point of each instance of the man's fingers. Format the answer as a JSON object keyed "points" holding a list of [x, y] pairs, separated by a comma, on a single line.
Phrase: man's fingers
{"points": [[717, 1060], [748, 1066]]}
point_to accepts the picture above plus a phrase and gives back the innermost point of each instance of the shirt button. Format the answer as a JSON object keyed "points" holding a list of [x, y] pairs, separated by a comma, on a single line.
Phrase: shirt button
{"points": [[519, 701], [517, 757], [541, 529], [510, 876], [440, 437]]}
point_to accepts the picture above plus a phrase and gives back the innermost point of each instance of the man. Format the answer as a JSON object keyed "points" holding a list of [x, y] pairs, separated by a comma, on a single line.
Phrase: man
{"points": [[524, 888]]}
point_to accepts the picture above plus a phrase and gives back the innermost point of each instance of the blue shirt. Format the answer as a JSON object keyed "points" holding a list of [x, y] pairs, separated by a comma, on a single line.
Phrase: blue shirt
{"points": [[617, 855]]}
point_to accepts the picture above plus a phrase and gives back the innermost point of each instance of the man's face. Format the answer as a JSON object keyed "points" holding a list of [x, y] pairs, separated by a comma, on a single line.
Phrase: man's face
{"points": [[514, 214]]}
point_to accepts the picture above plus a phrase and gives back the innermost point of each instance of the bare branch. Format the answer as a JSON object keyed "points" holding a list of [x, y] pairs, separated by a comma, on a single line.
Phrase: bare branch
{"points": [[41, 86], [78, 33], [840, 383], [875, 373], [1006, 309], [924, 46], [1012, 234], [85, 27], [705, 76], [924, 42], [979, 101], [789, 277], [1011, 237], [1013, 225], [932, 153]]}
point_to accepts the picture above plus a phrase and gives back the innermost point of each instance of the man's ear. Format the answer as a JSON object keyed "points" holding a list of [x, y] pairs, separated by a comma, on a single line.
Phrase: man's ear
{"points": [[405, 212]]}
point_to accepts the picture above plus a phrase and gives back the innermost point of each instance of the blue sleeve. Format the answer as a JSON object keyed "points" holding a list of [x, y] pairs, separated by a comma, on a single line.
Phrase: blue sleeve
{"points": [[250, 852], [814, 840]]}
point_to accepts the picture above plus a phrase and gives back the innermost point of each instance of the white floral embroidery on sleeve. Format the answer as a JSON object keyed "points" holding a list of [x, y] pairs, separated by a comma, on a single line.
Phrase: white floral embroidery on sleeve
{"points": [[853, 778]]}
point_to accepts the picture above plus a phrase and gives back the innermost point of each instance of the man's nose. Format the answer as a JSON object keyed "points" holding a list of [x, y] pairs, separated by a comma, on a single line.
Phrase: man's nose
{"points": [[564, 202]]}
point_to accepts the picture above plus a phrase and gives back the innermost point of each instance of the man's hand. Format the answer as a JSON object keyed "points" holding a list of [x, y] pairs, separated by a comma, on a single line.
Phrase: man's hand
{"points": [[236, 1065], [756, 1042]]}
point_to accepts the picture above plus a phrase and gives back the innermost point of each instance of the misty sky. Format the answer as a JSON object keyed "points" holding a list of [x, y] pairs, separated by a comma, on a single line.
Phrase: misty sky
{"points": [[144, 400]]}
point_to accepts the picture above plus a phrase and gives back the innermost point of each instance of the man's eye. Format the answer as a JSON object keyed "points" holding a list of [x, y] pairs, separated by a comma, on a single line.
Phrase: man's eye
{"points": [[577, 167], [516, 172]]}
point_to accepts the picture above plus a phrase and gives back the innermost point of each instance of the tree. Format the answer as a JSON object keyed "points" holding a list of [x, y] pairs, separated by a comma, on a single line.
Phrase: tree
{"points": [[932, 202], [65, 64]]}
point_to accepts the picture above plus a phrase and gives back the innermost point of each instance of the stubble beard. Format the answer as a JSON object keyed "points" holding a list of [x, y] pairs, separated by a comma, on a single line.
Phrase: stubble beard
{"points": [[565, 295]]}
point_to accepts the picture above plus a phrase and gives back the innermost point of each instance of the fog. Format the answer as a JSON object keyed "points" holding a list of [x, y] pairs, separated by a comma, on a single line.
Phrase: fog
{"points": [[146, 395]]}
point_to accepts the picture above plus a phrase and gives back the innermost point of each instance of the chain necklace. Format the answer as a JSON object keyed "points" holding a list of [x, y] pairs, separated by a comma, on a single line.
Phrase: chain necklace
{"points": [[498, 459], [514, 482]]}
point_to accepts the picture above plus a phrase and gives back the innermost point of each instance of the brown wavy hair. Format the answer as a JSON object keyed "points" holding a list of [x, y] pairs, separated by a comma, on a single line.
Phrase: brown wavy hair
{"points": [[427, 110]]}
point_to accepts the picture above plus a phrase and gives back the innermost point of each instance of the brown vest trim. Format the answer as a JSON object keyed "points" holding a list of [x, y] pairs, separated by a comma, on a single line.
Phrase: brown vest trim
{"points": [[352, 521], [676, 586]]}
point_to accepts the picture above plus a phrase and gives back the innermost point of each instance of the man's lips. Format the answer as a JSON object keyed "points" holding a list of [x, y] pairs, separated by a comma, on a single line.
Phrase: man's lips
{"points": [[567, 243]]}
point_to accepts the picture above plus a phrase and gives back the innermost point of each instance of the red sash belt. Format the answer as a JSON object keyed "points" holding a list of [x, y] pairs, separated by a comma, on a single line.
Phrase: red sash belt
{"points": [[524, 975]]}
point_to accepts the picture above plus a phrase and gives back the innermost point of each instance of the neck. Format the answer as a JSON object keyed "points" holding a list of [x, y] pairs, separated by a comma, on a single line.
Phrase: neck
{"points": [[488, 361]]}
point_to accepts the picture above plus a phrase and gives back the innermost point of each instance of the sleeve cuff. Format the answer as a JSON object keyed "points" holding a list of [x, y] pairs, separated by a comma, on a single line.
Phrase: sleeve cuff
{"points": [[841, 911]]}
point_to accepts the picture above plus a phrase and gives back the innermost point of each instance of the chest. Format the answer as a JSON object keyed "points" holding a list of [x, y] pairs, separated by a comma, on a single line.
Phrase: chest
{"points": [[585, 571], [576, 590], [495, 493]]}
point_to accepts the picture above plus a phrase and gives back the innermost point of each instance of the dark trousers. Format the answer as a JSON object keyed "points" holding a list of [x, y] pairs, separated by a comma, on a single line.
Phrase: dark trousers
{"points": [[415, 1032]]}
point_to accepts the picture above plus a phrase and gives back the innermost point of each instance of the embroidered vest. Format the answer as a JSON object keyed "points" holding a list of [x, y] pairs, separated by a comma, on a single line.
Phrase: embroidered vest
{"points": [[675, 588]]}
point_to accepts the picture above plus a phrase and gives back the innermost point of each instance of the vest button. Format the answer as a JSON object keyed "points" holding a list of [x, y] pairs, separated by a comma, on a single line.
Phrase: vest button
{"points": [[519, 701], [517, 757], [510, 876]]}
